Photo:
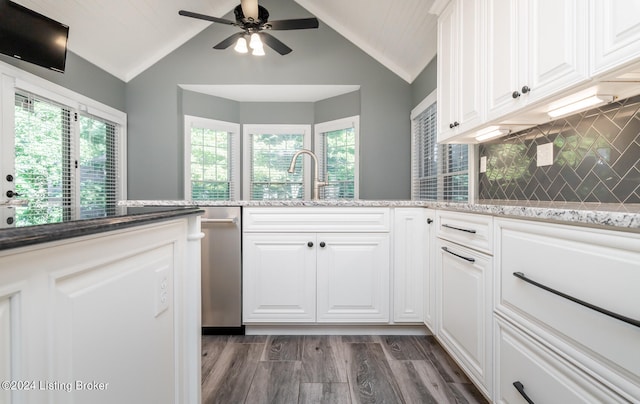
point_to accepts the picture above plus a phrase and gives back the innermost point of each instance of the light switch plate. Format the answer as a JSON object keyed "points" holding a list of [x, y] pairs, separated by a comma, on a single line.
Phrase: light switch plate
{"points": [[544, 154], [483, 164], [162, 290]]}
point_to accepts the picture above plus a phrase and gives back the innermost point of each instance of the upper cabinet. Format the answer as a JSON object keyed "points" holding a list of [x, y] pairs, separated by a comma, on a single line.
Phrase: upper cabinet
{"points": [[502, 63], [460, 37], [536, 48], [615, 34]]}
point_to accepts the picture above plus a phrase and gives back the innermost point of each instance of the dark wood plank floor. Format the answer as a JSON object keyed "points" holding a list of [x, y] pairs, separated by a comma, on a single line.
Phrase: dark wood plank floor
{"points": [[331, 370]]}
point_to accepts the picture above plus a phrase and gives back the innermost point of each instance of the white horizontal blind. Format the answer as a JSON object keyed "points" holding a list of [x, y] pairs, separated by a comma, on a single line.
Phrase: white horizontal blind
{"points": [[270, 156], [425, 155], [43, 172], [212, 159], [439, 172], [98, 167], [337, 159]]}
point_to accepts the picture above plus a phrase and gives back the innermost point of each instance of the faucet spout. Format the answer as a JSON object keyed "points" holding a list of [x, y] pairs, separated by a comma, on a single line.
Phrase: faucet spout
{"points": [[316, 182]]}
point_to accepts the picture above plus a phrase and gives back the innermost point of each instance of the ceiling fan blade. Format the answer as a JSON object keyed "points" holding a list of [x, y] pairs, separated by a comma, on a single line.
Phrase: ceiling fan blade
{"points": [[250, 8], [206, 17], [301, 23], [229, 41], [275, 44]]}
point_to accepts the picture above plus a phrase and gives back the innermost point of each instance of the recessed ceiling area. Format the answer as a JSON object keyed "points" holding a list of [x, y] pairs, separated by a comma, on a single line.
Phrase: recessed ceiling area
{"points": [[125, 37], [272, 93]]}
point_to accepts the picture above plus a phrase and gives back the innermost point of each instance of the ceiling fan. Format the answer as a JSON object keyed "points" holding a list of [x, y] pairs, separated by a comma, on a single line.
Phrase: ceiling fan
{"points": [[253, 19]]}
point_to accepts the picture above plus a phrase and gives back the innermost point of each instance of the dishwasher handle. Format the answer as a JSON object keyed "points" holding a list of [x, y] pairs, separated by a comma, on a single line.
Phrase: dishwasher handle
{"points": [[233, 220]]}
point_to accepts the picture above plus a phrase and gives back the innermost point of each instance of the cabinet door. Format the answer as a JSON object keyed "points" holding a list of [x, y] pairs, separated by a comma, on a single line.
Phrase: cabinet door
{"points": [[353, 277], [460, 36], [470, 69], [447, 64], [464, 308], [279, 277], [615, 34], [557, 47], [504, 49], [410, 263]]}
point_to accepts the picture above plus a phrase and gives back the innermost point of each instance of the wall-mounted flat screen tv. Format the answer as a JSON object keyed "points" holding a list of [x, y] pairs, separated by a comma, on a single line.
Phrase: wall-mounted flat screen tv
{"points": [[32, 37]]}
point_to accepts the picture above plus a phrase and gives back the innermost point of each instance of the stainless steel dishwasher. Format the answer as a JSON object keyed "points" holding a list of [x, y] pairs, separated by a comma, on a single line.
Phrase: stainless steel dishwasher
{"points": [[221, 271]]}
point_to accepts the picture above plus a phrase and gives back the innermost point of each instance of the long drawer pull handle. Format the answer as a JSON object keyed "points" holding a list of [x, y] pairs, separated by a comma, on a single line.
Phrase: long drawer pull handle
{"points": [[520, 389], [227, 220], [458, 255], [459, 228], [581, 302]]}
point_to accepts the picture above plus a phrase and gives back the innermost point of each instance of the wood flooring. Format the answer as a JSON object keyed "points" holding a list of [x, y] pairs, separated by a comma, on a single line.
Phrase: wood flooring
{"points": [[331, 370]]}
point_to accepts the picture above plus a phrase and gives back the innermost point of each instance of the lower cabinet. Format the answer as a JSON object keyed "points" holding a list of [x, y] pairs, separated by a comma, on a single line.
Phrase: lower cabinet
{"points": [[316, 277], [464, 279], [528, 372]]}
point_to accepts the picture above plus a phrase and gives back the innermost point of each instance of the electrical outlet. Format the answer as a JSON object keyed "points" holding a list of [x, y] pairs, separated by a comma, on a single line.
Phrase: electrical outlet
{"points": [[162, 291], [544, 154], [483, 164]]}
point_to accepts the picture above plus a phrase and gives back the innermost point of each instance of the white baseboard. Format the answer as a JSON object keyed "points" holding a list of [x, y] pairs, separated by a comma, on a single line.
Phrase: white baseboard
{"points": [[271, 329]]}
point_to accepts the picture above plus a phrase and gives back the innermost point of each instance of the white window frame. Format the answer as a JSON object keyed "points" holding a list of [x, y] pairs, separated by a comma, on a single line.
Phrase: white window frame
{"points": [[277, 129], [12, 79], [191, 121], [339, 124]]}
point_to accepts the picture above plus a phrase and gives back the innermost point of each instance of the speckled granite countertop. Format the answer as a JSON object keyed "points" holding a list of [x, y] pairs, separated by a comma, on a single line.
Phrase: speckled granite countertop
{"points": [[623, 217], [30, 235]]}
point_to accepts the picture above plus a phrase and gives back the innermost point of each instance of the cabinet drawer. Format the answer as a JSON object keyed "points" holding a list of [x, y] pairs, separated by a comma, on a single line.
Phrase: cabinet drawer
{"points": [[468, 229], [313, 219], [543, 376], [595, 266]]}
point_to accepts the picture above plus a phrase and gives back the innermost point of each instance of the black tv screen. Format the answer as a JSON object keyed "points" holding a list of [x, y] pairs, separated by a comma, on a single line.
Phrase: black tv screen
{"points": [[32, 37]]}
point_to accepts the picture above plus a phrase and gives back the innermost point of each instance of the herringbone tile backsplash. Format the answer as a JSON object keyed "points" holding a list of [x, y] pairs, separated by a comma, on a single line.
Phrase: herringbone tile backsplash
{"points": [[596, 158]]}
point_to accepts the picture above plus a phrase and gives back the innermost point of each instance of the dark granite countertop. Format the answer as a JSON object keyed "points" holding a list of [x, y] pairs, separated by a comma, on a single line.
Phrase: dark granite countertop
{"points": [[30, 235]]}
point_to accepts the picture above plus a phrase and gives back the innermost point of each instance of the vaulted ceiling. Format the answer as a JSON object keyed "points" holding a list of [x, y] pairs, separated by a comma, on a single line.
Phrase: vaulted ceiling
{"points": [[125, 37]]}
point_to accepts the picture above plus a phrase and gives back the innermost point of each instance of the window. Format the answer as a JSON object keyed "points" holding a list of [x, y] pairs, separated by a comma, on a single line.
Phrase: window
{"points": [[268, 150], [65, 159], [336, 145], [211, 159], [440, 172]]}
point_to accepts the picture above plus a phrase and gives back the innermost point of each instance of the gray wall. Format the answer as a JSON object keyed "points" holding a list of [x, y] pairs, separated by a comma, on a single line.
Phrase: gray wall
{"points": [[82, 77], [425, 83], [155, 103]]}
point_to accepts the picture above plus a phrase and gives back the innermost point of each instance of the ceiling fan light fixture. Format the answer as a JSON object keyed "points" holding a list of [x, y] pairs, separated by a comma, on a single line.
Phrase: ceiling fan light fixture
{"points": [[258, 51], [241, 46], [255, 42]]}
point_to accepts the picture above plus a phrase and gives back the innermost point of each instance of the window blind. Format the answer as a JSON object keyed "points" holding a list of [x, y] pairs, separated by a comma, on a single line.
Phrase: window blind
{"points": [[270, 157], [212, 158], [337, 160], [98, 169], [439, 172], [43, 173]]}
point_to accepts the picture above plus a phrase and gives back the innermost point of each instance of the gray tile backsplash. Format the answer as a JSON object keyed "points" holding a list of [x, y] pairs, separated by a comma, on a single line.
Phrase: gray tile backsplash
{"points": [[596, 158]]}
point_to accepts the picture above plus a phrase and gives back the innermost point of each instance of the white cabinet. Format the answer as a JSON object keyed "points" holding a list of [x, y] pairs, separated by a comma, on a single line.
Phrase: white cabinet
{"points": [[544, 271], [413, 273], [279, 277], [353, 277], [460, 37], [295, 269], [464, 292], [527, 368], [535, 49], [614, 34]]}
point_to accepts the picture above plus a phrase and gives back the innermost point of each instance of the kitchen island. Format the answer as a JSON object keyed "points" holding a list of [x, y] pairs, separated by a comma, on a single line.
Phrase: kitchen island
{"points": [[102, 310]]}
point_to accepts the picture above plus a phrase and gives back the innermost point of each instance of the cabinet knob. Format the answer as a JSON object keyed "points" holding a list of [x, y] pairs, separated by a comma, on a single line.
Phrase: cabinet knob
{"points": [[515, 94], [11, 194], [310, 244], [322, 244], [453, 125], [525, 89], [429, 221]]}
